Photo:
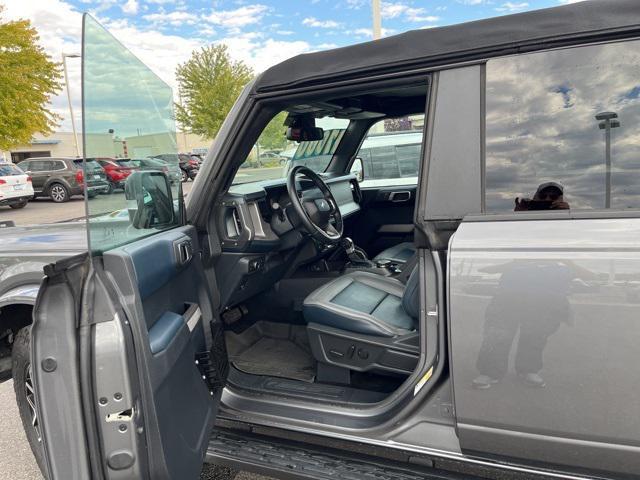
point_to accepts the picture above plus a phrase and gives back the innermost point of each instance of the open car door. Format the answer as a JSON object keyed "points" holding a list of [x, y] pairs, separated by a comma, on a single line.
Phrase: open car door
{"points": [[129, 360]]}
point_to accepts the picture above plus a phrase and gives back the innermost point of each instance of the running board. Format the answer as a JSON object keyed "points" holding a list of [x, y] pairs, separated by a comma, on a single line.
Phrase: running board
{"points": [[288, 460]]}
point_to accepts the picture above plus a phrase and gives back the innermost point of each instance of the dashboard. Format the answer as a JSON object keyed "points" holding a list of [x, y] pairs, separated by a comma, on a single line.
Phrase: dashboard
{"points": [[262, 238], [258, 217]]}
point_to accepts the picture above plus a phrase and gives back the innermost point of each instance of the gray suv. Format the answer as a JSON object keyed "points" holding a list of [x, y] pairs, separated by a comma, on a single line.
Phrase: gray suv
{"points": [[61, 178], [481, 321]]}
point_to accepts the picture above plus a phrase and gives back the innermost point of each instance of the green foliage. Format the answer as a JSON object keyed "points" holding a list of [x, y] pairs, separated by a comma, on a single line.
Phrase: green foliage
{"points": [[274, 137], [209, 83], [28, 79]]}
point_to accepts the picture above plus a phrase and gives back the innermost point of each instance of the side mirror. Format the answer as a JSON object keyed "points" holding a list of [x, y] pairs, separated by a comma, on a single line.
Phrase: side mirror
{"points": [[358, 169], [149, 199]]}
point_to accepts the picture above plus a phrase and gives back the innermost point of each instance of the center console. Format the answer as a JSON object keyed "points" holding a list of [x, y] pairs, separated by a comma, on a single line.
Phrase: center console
{"points": [[359, 262]]}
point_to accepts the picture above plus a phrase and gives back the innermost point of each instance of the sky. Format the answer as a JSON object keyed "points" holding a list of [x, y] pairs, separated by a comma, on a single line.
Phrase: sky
{"points": [[163, 33]]}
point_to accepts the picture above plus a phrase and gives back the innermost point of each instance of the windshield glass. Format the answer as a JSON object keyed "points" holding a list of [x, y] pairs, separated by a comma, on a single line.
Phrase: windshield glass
{"points": [[10, 170], [91, 165], [273, 155]]}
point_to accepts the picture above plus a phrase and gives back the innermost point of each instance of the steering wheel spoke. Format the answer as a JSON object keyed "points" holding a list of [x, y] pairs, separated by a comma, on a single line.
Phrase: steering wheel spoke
{"points": [[319, 214]]}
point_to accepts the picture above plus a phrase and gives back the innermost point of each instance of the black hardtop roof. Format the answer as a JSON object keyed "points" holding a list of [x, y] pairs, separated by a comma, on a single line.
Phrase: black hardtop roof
{"points": [[565, 25]]}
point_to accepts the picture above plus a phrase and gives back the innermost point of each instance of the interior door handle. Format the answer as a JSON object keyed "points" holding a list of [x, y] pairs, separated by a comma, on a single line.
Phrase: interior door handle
{"points": [[400, 196], [184, 251]]}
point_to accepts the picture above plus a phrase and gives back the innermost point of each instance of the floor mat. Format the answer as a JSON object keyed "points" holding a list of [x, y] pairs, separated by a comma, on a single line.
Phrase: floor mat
{"points": [[276, 358]]}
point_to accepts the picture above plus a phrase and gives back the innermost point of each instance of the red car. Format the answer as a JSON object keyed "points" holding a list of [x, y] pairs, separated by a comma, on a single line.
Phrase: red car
{"points": [[116, 172]]}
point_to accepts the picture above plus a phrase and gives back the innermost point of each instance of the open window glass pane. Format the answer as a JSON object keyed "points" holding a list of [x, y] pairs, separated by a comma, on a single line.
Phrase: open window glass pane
{"points": [[131, 170]]}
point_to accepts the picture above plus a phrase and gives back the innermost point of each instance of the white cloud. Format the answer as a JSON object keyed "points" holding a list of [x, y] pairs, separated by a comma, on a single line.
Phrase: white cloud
{"points": [[359, 33], [326, 46], [131, 7], [240, 17], [176, 18], [411, 14], [567, 2], [314, 22], [512, 7], [285, 32]]}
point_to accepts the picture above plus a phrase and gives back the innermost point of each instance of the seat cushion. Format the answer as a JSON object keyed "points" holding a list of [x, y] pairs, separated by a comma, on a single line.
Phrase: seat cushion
{"points": [[360, 302], [399, 253]]}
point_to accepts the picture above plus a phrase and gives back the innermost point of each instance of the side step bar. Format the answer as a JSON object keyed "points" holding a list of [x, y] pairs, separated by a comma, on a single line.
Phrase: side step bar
{"points": [[289, 460]]}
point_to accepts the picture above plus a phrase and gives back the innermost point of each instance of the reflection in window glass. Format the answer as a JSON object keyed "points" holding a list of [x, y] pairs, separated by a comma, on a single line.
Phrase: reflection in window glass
{"points": [[561, 129], [127, 114]]}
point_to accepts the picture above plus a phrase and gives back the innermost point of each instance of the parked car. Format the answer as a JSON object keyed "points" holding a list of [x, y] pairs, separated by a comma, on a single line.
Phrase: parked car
{"points": [[172, 171], [116, 172], [61, 178], [493, 335], [16, 188], [189, 166]]}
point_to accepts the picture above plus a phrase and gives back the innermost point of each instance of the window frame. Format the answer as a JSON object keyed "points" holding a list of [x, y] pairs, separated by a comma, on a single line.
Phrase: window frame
{"points": [[484, 216]]}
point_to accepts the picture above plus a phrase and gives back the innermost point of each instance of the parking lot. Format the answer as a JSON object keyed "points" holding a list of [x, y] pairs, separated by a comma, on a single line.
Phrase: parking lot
{"points": [[16, 460]]}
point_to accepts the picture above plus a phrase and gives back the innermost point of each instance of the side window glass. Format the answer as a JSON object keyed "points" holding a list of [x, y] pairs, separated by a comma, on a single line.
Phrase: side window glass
{"points": [[391, 152], [38, 166], [126, 104], [561, 130]]}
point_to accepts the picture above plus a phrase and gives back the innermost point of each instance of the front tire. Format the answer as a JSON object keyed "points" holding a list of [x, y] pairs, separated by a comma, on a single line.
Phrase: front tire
{"points": [[16, 206], [25, 394], [59, 193]]}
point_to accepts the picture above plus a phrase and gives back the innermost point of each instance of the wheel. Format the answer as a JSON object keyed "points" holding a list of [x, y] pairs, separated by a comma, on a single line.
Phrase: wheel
{"points": [[59, 193], [183, 176], [18, 205], [25, 394], [192, 174], [92, 194]]}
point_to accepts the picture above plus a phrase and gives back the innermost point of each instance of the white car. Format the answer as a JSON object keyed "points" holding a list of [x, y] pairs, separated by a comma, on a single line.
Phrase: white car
{"points": [[15, 186]]}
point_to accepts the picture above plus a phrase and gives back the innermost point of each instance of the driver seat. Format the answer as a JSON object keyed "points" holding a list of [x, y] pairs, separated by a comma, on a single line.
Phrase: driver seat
{"points": [[363, 321]]}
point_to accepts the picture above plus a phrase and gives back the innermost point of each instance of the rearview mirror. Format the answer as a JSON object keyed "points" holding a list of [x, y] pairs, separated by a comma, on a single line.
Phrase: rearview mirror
{"points": [[149, 199], [305, 134], [357, 169]]}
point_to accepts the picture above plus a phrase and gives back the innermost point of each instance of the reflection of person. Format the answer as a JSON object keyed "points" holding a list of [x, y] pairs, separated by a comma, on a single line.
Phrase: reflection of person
{"points": [[548, 196], [531, 299]]}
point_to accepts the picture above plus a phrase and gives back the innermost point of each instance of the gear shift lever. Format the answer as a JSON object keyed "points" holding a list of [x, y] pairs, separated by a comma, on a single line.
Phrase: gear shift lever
{"points": [[357, 256]]}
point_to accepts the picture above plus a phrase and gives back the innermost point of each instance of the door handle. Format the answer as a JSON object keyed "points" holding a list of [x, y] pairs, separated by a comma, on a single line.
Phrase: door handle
{"points": [[183, 251], [400, 196]]}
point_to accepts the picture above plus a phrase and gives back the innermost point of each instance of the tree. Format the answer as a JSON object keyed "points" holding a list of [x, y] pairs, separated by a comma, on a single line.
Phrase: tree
{"points": [[28, 79], [274, 137], [209, 83]]}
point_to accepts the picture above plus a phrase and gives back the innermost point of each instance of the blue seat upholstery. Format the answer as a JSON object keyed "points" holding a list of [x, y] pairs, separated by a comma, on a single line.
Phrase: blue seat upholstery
{"points": [[368, 303], [400, 253]]}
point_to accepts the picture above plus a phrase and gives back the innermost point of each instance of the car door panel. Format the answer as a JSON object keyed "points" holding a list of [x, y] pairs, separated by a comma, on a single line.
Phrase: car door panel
{"points": [[386, 218], [153, 401], [555, 298], [162, 290]]}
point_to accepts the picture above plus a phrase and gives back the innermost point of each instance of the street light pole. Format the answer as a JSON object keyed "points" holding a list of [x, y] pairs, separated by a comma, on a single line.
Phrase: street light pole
{"points": [[377, 22], [66, 84], [607, 122]]}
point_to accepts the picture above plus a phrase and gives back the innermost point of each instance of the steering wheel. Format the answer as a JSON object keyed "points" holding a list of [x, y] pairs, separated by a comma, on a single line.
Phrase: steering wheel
{"points": [[317, 210]]}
